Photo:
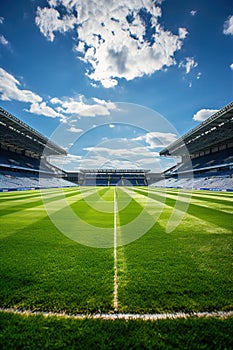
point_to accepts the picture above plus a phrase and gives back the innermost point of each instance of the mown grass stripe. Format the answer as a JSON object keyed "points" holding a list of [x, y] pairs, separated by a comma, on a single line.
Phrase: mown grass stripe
{"points": [[25, 193], [92, 216], [29, 199], [14, 222], [34, 202], [221, 205], [20, 197], [216, 217], [128, 213], [100, 200], [167, 212], [201, 196], [158, 202], [222, 194]]}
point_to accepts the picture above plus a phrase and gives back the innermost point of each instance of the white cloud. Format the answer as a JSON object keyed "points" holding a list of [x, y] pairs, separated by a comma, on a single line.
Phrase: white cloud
{"points": [[183, 33], [157, 139], [3, 40], [203, 114], [43, 109], [107, 83], [61, 108], [99, 162], [121, 152], [231, 66], [1, 20], [94, 110], [83, 108], [55, 100], [193, 12], [10, 89], [188, 64], [228, 26], [68, 163], [62, 160], [74, 129], [113, 37], [110, 105], [114, 153], [49, 20]]}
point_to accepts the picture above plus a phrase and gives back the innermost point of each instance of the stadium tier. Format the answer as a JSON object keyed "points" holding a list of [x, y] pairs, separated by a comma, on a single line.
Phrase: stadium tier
{"points": [[23, 181], [207, 155], [23, 152], [21, 162], [213, 183], [18, 136], [214, 131]]}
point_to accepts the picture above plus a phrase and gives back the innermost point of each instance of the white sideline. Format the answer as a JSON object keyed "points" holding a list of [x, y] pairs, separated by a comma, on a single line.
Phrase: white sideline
{"points": [[115, 294], [120, 316]]}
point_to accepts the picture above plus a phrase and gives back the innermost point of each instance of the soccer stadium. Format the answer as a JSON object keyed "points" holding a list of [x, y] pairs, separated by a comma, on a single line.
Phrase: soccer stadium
{"points": [[117, 258]]}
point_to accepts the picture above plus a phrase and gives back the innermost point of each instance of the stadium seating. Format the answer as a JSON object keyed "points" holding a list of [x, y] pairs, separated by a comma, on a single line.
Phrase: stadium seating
{"points": [[18, 171], [212, 171], [15, 160], [116, 179], [211, 183], [209, 161], [215, 182], [18, 180]]}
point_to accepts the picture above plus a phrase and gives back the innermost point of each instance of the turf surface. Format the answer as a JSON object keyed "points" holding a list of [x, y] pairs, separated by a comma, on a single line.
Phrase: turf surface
{"points": [[189, 269], [37, 332]]}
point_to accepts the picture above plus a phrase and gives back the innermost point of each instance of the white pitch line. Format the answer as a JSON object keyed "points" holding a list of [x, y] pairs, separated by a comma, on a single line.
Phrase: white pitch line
{"points": [[115, 293], [121, 316]]}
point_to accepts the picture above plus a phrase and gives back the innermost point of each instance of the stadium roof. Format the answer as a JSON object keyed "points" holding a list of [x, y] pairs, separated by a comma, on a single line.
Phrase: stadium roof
{"points": [[215, 130], [19, 136]]}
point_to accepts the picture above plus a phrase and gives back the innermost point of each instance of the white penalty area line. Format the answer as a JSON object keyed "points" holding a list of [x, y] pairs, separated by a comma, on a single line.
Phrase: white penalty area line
{"points": [[115, 290], [121, 316]]}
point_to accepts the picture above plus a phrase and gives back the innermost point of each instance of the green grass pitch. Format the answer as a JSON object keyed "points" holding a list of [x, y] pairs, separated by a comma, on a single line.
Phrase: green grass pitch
{"points": [[186, 270]]}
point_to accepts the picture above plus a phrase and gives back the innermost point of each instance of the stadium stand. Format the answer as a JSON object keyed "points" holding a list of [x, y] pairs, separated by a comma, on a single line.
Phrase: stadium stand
{"points": [[23, 152], [113, 177], [18, 180], [210, 148]]}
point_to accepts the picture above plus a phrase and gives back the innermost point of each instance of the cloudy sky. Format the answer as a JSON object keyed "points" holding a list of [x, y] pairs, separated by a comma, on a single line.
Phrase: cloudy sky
{"points": [[115, 81]]}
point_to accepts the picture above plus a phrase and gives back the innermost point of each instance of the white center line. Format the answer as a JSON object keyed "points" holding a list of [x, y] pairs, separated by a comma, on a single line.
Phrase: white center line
{"points": [[115, 294], [116, 316]]}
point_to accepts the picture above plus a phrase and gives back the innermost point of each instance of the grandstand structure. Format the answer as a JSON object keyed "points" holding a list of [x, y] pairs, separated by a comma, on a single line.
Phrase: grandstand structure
{"points": [[110, 177], [210, 150], [23, 152]]}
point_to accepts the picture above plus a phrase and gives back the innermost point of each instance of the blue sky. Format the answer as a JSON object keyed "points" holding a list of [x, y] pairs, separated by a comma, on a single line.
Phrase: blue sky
{"points": [[115, 81]]}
